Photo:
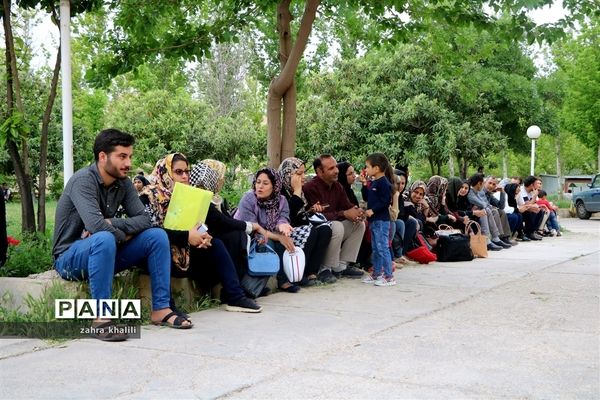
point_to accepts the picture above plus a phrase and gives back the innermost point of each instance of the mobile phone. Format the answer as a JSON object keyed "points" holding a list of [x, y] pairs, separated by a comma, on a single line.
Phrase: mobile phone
{"points": [[203, 228]]}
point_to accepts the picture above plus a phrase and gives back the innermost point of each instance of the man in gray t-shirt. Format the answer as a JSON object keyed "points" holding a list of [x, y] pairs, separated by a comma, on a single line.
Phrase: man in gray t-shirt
{"points": [[90, 243]]}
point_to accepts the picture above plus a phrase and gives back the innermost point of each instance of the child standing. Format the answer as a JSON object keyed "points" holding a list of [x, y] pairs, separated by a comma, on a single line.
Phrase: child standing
{"points": [[378, 215]]}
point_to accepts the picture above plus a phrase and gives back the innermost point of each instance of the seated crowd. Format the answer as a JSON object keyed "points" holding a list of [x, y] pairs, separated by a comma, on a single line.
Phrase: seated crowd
{"points": [[339, 235]]}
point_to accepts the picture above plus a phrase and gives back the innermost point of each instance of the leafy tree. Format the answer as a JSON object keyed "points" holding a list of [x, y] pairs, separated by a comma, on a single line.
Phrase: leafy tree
{"points": [[579, 59], [15, 130], [397, 99], [186, 29]]}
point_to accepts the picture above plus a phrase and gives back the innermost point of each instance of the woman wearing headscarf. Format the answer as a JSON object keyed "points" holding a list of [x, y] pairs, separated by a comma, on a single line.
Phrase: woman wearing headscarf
{"points": [[346, 177], [216, 184], [415, 204], [406, 226], [265, 205], [139, 182], [435, 196], [515, 219], [457, 202], [194, 253], [312, 239], [460, 202], [210, 175]]}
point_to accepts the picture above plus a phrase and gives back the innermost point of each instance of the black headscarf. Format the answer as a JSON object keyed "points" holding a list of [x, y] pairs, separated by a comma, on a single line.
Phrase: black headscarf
{"points": [[343, 180], [401, 213], [462, 202], [511, 192], [142, 179], [454, 185]]}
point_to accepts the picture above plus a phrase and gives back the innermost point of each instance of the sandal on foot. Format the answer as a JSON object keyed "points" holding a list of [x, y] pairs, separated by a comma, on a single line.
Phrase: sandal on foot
{"points": [[108, 332], [176, 324]]}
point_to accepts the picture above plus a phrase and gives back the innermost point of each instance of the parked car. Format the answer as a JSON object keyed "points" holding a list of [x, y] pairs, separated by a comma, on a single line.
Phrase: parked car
{"points": [[588, 201]]}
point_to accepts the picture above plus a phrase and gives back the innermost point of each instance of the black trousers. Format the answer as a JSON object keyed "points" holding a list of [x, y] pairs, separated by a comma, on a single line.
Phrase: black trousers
{"points": [[314, 252], [532, 221]]}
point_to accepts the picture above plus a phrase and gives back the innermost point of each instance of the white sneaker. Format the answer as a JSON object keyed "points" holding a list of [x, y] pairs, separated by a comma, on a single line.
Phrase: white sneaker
{"points": [[383, 281], [553, 232], [370, 279]]}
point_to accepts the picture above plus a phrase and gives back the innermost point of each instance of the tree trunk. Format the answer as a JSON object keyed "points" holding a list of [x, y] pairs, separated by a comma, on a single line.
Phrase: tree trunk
{"points": [[463, 168], [431, 166], [44, 145], [13, 88], [282, 90], [504, 165], [451, 167]]}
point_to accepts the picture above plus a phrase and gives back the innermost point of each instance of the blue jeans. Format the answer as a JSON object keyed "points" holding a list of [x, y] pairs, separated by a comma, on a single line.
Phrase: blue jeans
{"points": [[411, 226], [400, 227], [98, 258], [381, 256], [553, 221], [515, 221]]}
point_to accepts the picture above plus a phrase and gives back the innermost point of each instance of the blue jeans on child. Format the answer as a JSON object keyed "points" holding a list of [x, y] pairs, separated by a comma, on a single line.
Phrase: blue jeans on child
{"points": [[381, 256], [98, 258], [553, 221]]}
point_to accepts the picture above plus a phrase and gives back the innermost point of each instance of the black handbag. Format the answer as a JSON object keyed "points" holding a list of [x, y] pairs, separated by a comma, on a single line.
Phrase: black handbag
{"points": [[455, 247]]}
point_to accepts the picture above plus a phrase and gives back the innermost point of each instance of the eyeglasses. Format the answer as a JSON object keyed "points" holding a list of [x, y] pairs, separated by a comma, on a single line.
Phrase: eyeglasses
{"points": [[180, 172]]}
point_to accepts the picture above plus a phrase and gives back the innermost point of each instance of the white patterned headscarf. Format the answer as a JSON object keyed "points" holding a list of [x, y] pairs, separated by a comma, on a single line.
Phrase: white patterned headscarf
{"points": [[204, 177]]}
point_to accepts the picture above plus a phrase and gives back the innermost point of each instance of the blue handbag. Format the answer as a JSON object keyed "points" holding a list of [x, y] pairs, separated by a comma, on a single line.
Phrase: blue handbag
{"points": [[262, 260]]}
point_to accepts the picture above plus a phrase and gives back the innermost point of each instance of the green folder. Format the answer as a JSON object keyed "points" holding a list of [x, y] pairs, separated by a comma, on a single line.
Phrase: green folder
{"points": [[188, 206]]}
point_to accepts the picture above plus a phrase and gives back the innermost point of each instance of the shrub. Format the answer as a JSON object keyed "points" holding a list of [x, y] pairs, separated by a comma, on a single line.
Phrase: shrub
{"points": [[33, 255]]}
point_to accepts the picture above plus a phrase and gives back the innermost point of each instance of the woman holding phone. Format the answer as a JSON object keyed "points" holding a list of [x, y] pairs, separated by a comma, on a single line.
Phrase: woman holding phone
{"points": [[313, 239]]}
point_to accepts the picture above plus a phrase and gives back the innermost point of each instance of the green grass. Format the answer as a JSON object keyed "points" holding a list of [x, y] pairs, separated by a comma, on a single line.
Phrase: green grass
{"points": [[13, 217], [34, 253], [561, 203]]}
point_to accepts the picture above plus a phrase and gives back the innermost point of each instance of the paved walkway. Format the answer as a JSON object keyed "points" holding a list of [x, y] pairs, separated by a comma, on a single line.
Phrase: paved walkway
{"points": [[522, 324]]}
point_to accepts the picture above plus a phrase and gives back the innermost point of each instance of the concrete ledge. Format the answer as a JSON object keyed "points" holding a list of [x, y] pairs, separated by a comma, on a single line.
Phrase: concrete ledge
{"points": [[14, 291], [565, 213]]}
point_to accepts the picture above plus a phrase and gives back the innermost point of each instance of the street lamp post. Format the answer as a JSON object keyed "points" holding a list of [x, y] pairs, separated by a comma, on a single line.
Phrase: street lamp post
{"points": [[533, 133]]}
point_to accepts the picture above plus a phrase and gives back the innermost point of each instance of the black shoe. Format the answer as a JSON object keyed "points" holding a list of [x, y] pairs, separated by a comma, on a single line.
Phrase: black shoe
{"points": [[506, 240], [326, 276], [290, 289], [534, 236], [502, 244], [352, 272], [308, 282], [494, 247], [523, 238], [243, 305], [265, 292]]}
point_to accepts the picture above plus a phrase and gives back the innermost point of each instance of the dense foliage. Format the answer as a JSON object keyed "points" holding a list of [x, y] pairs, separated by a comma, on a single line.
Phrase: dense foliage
{"points": [[447, 91]]}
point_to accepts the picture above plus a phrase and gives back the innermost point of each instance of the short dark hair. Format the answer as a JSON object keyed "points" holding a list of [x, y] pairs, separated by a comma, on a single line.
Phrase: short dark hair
{"points": [[530, 180], [475, 179], [108, 139], [379, 160], [319, 160], [542, 193]]}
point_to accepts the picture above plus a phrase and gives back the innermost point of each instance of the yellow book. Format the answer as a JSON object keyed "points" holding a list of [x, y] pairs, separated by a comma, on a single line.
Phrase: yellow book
{"points": [[188, 206]]}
